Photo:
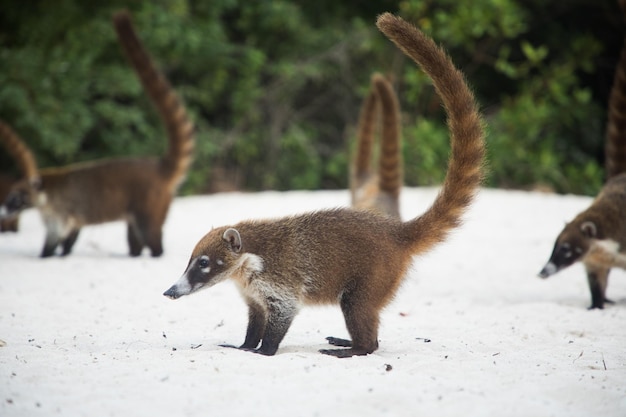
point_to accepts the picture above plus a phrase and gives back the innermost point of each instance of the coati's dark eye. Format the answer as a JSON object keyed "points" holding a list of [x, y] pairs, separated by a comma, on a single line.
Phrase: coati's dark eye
{"points": [[203, 263]]}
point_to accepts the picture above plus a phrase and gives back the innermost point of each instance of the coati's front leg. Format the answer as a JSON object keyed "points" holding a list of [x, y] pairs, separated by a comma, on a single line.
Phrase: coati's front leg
{"points": [[257, 320], [279, 318], [69, 241], [49, 246], [267, 326], [53, 239], [597, 277]]}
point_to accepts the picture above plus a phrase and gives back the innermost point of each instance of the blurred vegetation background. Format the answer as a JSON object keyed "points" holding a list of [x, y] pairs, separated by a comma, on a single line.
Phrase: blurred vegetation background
{"points": [[275, 86]]}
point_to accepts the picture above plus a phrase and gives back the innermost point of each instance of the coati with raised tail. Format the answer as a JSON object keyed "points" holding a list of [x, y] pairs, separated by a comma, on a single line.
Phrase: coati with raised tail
{"points": [[378, 190], [138, 190], [597, 236], [356, 258]]}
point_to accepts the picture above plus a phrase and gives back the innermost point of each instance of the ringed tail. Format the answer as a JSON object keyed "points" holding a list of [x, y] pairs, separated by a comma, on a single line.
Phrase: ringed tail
{"points": [[180, 129], [465, 167], [390, 173], [23, 156], [615, 145], [365, 137]]}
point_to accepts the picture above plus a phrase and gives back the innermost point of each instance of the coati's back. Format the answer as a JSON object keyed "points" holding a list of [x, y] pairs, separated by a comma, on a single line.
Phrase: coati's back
{"points": [[296, 255], [378, 190], [124, 187], [608, 212]]}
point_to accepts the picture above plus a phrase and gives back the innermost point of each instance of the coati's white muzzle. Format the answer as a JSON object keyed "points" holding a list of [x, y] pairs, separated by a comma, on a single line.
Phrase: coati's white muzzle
{"points": [[549, 269], [180, 288]]}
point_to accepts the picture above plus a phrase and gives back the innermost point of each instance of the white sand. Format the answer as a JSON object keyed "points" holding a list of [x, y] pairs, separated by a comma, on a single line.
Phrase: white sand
{"points": [[91, 334]]}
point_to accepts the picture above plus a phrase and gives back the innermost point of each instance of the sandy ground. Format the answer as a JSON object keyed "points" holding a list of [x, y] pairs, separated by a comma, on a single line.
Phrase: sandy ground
{"points": [[473, 331]]}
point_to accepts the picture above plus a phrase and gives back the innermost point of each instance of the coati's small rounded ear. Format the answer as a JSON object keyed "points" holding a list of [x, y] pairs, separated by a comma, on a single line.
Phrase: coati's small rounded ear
{"points": [[589, 229], [233, 238]]}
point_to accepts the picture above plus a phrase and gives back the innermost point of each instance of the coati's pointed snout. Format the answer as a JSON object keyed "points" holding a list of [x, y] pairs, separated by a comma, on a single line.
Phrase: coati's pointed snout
{"points": [[549, 269], [172, 293]]}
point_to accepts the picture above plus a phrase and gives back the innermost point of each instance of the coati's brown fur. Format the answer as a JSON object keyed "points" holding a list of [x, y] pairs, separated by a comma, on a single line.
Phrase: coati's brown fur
{"points": [[24, 161], [356, 258], [138, 190], [597, 236], [9, 224], [378, 190]]}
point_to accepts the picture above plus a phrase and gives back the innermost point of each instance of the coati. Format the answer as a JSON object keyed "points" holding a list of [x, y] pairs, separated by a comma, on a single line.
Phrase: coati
{"points": [[597, 236], [378, 190], [138, 190], [356, 258]]}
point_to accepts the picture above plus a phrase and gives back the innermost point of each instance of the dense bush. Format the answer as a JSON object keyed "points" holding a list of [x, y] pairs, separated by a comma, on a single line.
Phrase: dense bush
{"points": [[275, 86]]}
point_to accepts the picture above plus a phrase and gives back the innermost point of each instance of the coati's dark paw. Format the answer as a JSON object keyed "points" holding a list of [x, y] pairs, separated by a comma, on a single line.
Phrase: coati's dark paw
{"points": [[336, 341], [263, 352], [594, 306], [343, 353]]}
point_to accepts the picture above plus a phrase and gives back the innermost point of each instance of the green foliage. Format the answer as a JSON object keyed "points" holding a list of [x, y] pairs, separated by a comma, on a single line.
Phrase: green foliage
{"points": [[534, 78], [274, 87]]}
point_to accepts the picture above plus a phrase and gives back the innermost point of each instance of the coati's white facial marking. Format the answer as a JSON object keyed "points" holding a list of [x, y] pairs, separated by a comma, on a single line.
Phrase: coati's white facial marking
{"points": [[197, 274], [568, 251]]}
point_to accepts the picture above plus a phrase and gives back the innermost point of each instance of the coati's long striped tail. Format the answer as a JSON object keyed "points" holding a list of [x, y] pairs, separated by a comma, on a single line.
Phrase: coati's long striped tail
{"points": [[180, 129], [16, 147], [465, 168], [615, 144], [390, 173], [368, 117]]}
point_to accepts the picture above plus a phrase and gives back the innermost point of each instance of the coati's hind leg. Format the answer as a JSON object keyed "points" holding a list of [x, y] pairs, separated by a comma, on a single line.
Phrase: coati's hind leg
{"points": [[69, 241], [362, 323], [135, 240], [150, 226], [597, 278], [154, 240], [143, 231]]}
